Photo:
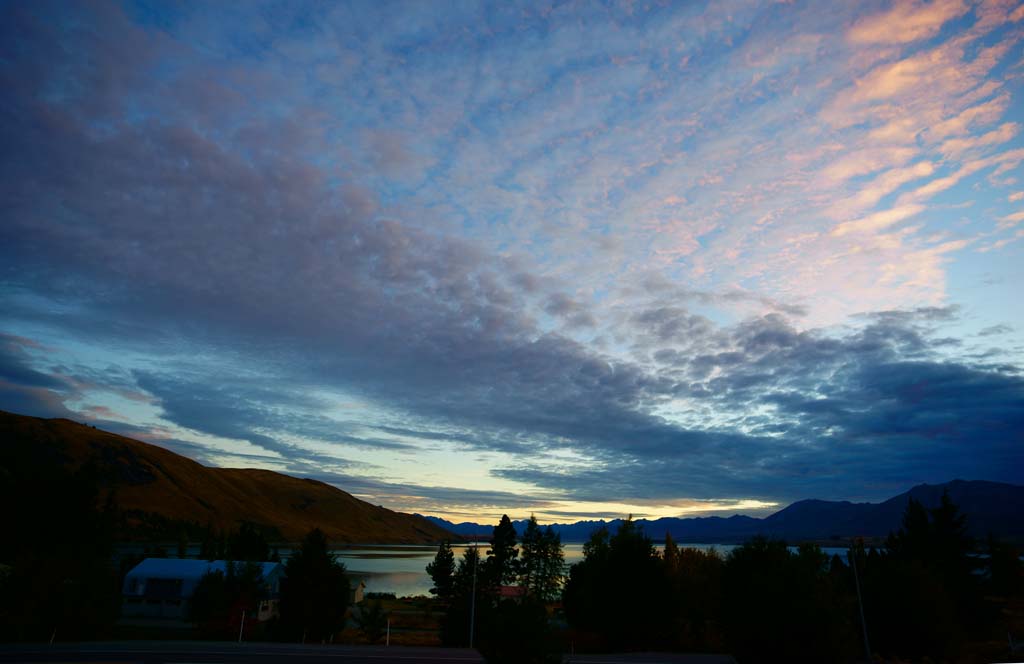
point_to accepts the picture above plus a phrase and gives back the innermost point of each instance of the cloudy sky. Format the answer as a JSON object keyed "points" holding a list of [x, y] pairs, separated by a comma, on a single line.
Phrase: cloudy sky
{"points": [[573, 259]]}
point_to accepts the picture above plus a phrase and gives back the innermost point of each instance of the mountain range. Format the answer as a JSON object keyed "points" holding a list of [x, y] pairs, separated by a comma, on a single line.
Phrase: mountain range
{"points": [[991, 507], [158, 491]]}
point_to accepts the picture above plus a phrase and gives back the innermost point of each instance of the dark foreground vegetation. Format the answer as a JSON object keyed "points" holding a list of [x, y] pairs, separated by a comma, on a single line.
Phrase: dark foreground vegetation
{"points": [[927, 594], [500, 603], [930, 592], [60, 577]]}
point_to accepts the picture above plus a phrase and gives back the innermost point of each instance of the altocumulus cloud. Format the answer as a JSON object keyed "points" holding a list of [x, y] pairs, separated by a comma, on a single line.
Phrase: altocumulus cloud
{"points": [[206, 242]]}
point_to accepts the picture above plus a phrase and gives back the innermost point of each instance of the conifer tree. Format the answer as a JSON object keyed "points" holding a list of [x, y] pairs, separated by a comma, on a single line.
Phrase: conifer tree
{"points": [[532, 558], [551, 571], [671, 554], [315, 591], [442, 572], [502, 556]]}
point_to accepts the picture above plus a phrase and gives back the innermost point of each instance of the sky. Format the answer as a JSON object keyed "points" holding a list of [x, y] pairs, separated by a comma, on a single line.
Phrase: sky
{"points": [[578, 260]]}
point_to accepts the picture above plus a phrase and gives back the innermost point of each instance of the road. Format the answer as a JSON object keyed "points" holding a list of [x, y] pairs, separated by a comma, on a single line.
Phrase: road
{"points": [[198, 652], [207, 652]]}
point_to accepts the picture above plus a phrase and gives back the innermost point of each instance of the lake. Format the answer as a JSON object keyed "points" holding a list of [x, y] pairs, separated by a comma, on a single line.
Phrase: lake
{"points": [[401, 569]]}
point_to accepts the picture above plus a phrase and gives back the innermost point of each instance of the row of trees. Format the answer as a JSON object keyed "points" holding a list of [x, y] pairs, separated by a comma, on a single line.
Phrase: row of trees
{"points": [[925, 594], [538, 571], [498, 603]]}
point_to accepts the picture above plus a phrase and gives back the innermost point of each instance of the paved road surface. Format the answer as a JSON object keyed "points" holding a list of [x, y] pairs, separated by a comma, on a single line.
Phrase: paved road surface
{"points": [[182, 652], [206, 652], [650, 658]]}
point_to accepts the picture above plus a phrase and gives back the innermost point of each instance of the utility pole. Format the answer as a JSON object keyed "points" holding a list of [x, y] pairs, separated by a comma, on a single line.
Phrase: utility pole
{"points": [[860, 604], [472, 599], [241, 626]]}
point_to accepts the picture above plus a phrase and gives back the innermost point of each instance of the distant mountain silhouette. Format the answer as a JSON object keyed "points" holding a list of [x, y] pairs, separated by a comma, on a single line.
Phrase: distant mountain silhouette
{"points": [[151, 484], [990, 507]]}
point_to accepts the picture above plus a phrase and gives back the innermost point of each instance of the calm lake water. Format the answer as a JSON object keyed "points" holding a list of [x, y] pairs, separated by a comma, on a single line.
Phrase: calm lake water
{"points": [[401, 569]]}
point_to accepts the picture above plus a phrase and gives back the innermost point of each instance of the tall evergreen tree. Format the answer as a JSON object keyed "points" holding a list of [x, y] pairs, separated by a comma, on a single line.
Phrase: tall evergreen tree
{"points": [[469, 566], [551, 572], [532, 554], [442, 572], [617, 593], [315, 591], [456, 625], [542, 562], [782, 607], [502, 556], [922, 597], [671, 554]]}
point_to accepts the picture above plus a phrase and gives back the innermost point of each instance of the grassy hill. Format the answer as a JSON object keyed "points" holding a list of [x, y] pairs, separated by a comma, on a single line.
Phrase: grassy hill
{"points": [[151, 483]]}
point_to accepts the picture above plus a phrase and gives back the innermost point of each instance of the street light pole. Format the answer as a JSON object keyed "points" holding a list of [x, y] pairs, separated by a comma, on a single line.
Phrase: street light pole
{"points": [[472, 600], [860, 604]]}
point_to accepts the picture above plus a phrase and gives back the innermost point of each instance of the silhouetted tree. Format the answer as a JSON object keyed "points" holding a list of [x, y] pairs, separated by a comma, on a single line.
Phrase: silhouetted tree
{"points": [[1005, 572], [456, 624], [209, 549], [248, 543], [502, 557], [442, 572], [922, 596], [209, 605], [315, 591], [542, 562], [372, 620], [616, 593], [779, 606], [518, 632], [182, 551], [693, 581], [60, 580], [670, 554], [220, 598]]}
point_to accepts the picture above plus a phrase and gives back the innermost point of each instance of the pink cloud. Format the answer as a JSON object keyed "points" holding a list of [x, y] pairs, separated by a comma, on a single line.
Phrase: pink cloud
{"points": [[878, 220], [985, 113], [899, 130], [955, 147], [881, 186], [906, 22], [1002, 243], [867, 161], [1011, 220], [925, 89], [1004, 160]]}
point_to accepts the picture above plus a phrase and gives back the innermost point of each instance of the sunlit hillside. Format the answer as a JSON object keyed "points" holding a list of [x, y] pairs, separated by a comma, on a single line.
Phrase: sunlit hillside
{"points": [[148, 480]]}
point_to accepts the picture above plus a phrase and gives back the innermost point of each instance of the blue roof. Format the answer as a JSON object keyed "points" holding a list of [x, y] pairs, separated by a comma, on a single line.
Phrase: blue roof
{"points": [[186, 568], [188, 572]]}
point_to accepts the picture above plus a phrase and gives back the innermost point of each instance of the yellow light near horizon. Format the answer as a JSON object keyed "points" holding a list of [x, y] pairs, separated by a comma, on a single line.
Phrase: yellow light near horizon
{"points": [[571, 511]]}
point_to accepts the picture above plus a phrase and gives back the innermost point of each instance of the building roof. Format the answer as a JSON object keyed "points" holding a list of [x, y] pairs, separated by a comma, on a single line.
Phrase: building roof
{"points": [[186, 568]]}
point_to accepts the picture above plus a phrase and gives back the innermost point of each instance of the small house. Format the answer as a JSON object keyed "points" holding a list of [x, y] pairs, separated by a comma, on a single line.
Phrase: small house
{"points": [[163, 587]]}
